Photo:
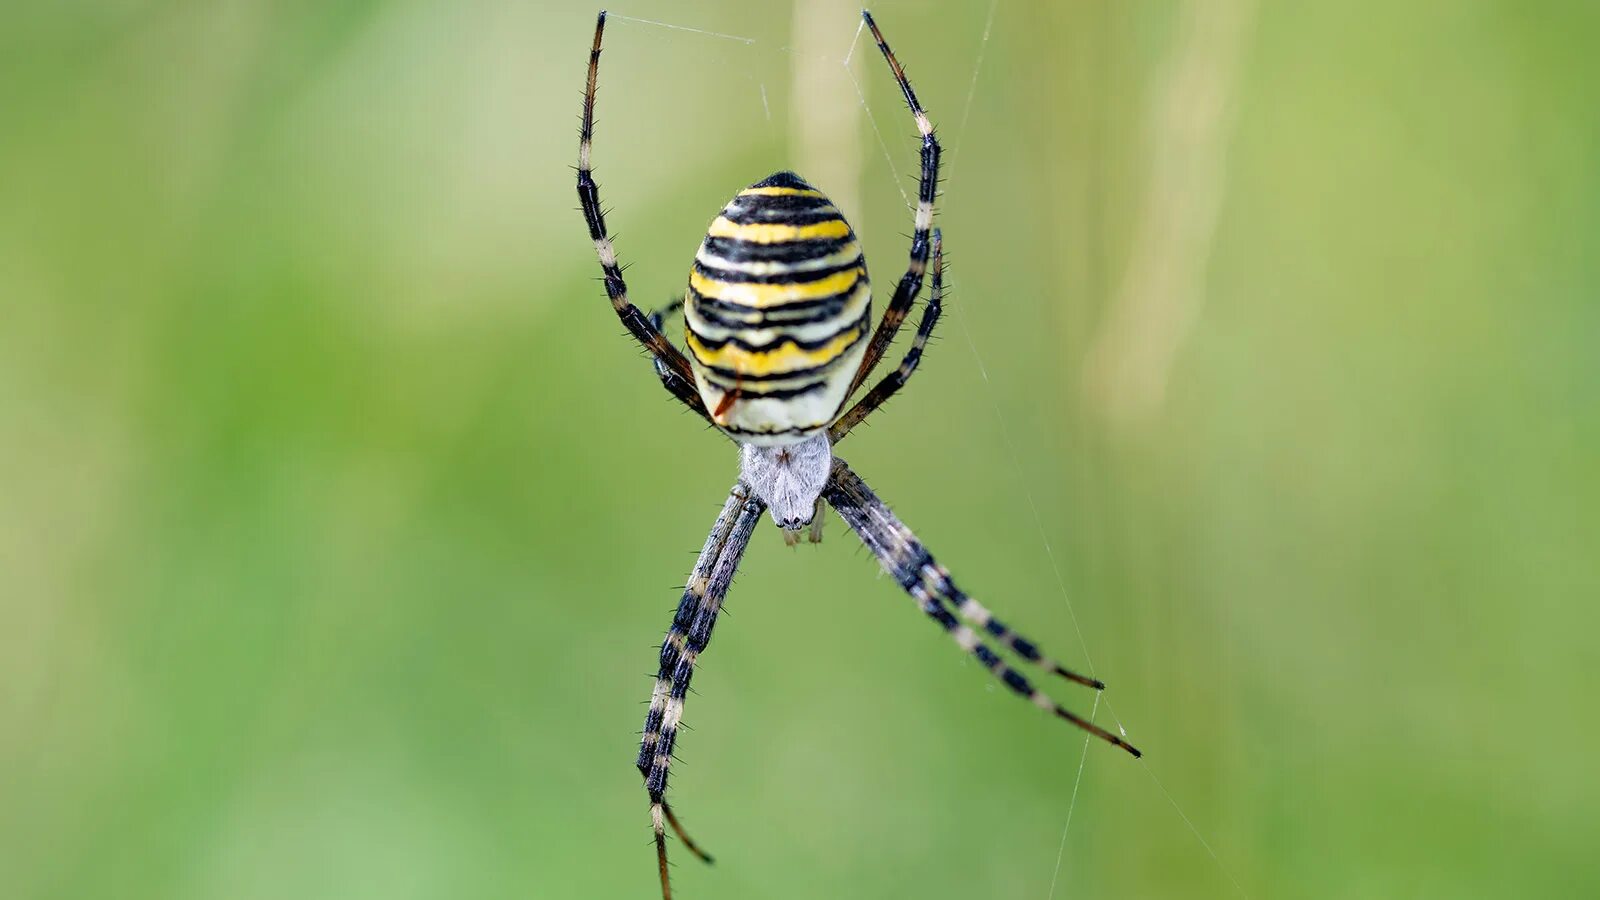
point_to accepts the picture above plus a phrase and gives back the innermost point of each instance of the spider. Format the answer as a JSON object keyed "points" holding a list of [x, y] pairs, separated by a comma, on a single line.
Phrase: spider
{"points": [[777, 319]]}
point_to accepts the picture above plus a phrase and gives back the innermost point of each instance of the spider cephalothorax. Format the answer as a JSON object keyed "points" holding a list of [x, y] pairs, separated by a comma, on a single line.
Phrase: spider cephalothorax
{"points": [[778, 321]]}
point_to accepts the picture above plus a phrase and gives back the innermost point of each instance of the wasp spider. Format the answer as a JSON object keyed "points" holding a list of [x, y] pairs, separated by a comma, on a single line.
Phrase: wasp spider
{"points": [[778, 323]]}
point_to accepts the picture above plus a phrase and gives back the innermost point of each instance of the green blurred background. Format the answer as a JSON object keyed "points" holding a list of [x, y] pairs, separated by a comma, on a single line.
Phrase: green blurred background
{"points": [[338, 521]]}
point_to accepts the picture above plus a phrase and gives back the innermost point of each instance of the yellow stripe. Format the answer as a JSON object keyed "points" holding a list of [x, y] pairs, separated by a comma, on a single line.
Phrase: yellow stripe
{"points": [[750, 322], [772, 234], [786, 358], [779, 192], [763, 296]]}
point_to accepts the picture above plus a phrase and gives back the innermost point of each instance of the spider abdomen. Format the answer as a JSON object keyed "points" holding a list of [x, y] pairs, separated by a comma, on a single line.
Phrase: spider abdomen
{"points": [[777, 312]]}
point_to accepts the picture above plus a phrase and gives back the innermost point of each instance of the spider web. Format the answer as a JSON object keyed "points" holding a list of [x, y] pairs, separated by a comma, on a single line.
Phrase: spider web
{"points": [[952, 157]]}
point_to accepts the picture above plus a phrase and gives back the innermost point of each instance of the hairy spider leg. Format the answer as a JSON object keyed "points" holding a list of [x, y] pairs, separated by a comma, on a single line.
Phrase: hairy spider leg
{"points": [[904, 557], [685, 641], [658, 320], [683, 620], [687, 607], [905, 293], [894, 381], [672, 365]]}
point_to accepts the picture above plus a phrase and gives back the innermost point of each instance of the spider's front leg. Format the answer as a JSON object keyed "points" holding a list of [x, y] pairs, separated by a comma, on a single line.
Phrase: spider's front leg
{"points": [[685, 641], [667, 357], [894, 381], [670, 378], [905, 293], [904, 557]]}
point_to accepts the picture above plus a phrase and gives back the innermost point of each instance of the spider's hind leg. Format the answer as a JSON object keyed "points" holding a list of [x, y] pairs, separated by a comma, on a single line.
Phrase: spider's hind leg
{"points": [[685, 641], [677, 829], [904, 557], [816, 521]]}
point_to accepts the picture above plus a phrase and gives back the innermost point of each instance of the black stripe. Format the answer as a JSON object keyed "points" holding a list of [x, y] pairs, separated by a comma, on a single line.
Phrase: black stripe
{"points": [[765, 214], [737, 250], [589, 199], [680, 680], [725, 315], [931, 606], [737, 340], [787, 276], [928, 187], [909, 571], [792, 201], [783, 393], [814, 309], [732, 429], [721, 315], [728, 380], [617, 289], [784, 179], [986, 656], [768, 205], [655, 783]]}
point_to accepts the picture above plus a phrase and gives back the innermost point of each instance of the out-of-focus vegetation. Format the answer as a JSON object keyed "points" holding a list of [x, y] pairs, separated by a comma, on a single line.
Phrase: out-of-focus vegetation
{"points": [[338, 521]]}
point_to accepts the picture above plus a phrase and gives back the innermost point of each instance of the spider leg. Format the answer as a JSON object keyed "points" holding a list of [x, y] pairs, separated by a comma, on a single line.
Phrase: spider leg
{"points": [[905, 293], [685, 641], [904, 557], [659, 317], [938, 581], [668, 359], [818, 513], [669, 378], [894, 381]]}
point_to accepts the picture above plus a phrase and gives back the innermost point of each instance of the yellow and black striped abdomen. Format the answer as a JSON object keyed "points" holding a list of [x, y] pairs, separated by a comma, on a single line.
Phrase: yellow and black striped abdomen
{"points": [[778, 312]]}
